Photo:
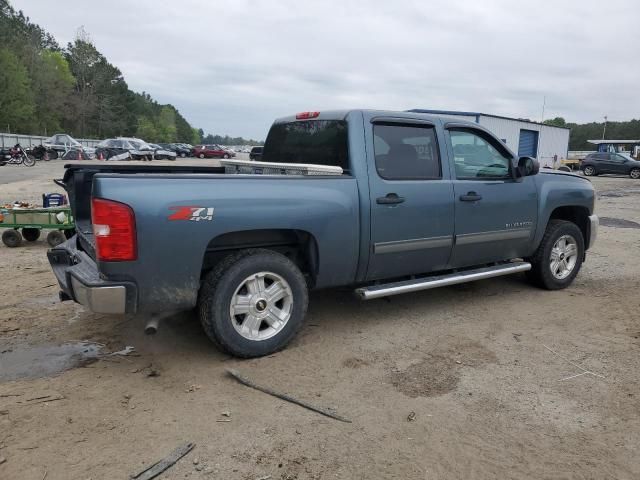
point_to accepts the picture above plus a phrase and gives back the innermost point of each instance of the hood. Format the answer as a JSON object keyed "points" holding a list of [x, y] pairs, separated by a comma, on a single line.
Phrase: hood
{"points": [[549, 171]]}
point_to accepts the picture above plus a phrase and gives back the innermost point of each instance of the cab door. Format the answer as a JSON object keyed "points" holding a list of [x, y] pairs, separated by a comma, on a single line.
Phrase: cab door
{"points": [[495, 213], [411, 199]]}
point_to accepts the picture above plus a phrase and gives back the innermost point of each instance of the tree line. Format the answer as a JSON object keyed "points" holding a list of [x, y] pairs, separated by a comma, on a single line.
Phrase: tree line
{"points": [[47, 89], [580, 133]]}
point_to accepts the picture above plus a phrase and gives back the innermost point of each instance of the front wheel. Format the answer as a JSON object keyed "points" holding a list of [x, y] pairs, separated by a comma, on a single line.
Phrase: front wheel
{"points": [[11, 238], [559, 256], [635, 173], [30, 234], [225, 156], [589, 171], [253, 303], [29, 161]]}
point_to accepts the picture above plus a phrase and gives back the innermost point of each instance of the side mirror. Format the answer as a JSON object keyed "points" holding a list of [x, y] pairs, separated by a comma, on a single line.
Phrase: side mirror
{"points": [[528, 166]]}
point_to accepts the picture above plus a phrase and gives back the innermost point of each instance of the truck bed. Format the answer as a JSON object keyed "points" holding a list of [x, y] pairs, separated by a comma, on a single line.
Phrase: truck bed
{"points": [[78, 179]]}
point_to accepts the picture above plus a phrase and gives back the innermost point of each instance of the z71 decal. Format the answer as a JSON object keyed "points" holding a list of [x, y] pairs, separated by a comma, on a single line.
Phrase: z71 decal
{"points": [[194, 214]]}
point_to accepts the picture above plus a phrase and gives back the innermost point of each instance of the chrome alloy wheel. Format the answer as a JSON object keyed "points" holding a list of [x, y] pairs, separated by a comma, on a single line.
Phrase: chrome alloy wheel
{"points": [[261, 306], [564, 256]]}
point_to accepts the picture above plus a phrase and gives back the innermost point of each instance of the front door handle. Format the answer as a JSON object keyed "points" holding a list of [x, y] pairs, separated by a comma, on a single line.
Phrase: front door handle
{"points": [[470, 197], [389, 199]]}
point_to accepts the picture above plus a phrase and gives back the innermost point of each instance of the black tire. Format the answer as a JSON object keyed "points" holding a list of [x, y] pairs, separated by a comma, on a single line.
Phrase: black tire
{"points": [[564, 168], [55, 238], [182, 155], [31, 234], [219, 287], [201, 155], [540, 273], [589, 171], [225, 156], [29, 161], [11, 238], [635, 173]]}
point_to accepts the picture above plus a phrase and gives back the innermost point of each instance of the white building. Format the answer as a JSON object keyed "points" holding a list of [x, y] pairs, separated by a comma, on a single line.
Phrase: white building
{"points": [[526, 138]]}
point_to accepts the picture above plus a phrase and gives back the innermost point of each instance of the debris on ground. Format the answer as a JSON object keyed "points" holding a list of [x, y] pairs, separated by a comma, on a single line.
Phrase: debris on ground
{"points": [[322, 411], [128, 350], [411, 417], [2, 460], [162, 465]]}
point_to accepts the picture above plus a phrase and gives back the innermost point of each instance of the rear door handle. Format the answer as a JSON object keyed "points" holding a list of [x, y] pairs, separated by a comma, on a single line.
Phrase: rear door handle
{"points": [[470, 197], [390, 199]]}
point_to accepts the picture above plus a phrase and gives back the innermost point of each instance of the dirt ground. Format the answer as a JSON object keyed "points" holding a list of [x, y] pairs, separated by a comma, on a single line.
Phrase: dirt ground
{"points": [[474, 381]]}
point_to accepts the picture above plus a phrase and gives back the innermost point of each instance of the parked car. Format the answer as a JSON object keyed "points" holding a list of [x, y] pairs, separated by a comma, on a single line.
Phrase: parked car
{"points": [[60, 144], [255, 153], [179, 149], [160, 153], [137, 149], [391, 205], [211, 151], [620, 163]]}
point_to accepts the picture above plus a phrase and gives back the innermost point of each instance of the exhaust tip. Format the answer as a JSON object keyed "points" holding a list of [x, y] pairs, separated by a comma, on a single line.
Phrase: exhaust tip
{"points": [[151, 328]]}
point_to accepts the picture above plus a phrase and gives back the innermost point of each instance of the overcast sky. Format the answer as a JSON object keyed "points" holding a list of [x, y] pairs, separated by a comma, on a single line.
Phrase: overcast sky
{"points": [[232, 66]]}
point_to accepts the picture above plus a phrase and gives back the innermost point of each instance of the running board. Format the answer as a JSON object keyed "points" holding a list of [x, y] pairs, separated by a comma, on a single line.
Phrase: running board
{"points": [[427, 283]]}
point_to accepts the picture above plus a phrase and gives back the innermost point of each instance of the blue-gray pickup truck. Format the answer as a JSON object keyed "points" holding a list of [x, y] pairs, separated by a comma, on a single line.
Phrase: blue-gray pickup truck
{"points": [[408, 202]]}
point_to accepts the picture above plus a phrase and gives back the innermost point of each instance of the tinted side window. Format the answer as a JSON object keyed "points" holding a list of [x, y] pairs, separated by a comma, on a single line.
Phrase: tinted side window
{"points": [[406, 152], [476, 156]]}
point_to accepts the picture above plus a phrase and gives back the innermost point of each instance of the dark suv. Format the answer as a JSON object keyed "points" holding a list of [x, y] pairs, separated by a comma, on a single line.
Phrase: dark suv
{"points": [[256, 153], [620, 163]]}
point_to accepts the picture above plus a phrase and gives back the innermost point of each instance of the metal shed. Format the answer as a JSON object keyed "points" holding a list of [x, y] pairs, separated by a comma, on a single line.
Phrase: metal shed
{"points": [[526, 138]]}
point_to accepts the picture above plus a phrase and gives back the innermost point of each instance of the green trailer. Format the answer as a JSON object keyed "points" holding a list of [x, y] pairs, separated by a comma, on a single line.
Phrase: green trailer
{"points": [[31, 221]]}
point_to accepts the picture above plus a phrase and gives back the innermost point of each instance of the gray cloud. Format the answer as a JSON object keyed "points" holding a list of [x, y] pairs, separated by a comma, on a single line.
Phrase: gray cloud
{"points": [[232, 66]]}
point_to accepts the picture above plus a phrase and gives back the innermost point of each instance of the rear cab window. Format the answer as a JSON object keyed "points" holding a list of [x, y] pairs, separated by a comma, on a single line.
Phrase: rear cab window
{"points": [[317, 142]]}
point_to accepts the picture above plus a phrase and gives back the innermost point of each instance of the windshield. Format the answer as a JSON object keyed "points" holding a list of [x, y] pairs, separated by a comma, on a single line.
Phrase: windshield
{"points": [[320, 142]]}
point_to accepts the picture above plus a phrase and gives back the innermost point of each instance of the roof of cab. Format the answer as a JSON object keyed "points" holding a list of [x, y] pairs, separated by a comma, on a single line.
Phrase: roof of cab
{"points": [[342, 115]]}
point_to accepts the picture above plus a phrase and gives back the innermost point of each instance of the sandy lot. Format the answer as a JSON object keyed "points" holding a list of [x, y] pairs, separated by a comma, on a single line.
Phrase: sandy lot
{"points": [[473, 381]]}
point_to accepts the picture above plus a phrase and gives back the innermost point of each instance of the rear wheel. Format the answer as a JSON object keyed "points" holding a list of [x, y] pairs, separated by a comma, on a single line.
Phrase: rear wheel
{"points": [[253, 303], [55, 238], [11, 238], [31, 234], [635, 173], [589, 171], [183, 155], [201, 155], [559, 256], [225, 156]]}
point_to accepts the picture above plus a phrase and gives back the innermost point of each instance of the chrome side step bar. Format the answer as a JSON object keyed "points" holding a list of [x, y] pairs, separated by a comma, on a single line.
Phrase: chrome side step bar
{"points": [[435, 281]]}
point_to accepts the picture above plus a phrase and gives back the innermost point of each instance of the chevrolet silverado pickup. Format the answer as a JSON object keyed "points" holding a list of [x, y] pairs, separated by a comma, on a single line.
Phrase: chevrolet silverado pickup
{"points": [[397, 202]]}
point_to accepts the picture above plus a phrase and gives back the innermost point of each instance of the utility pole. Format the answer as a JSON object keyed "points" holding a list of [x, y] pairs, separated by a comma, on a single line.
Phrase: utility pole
{"points": [[604, 130], [544, 102]]}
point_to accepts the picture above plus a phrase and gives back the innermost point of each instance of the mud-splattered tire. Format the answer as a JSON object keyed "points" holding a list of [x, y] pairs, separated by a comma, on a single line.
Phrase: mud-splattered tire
{"points": [[11, 238], [560, 238], [225, 294]]}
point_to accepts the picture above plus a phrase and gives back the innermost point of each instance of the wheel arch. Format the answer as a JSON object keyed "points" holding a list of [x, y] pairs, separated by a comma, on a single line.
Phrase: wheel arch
{"points": [[575, 214], [298, 245]]}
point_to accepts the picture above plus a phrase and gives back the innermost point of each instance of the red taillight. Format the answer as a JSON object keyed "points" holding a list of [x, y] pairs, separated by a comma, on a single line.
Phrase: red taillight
{"points": [[307, 115], [114, 228]]}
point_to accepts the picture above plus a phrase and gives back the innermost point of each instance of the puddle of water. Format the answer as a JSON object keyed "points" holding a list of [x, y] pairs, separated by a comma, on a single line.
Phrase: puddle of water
{"points": [[39, 361], [618, 223]]}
